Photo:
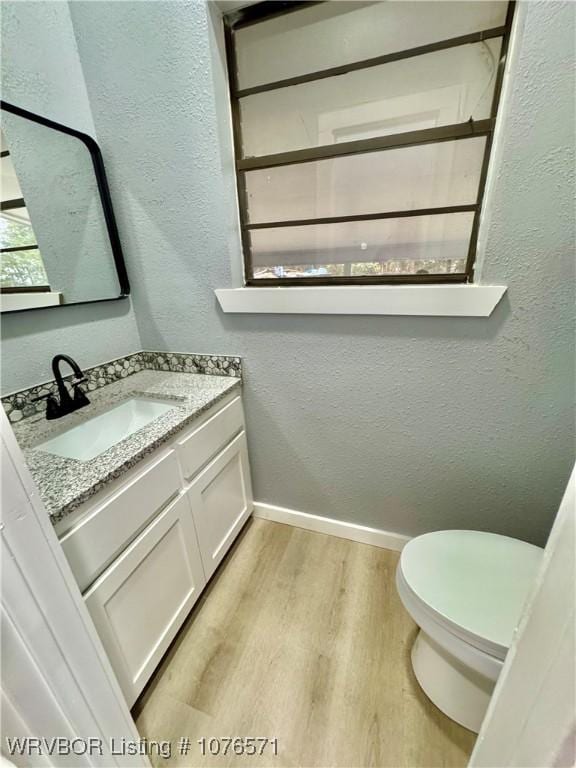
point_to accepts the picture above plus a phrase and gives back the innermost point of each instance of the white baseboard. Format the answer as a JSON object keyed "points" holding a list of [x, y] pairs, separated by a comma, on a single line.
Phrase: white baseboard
{"points": [[351, 531]]}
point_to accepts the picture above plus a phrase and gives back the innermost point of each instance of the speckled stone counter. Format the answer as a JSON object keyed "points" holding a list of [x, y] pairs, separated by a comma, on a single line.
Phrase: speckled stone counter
{"points": [[64, 483]]}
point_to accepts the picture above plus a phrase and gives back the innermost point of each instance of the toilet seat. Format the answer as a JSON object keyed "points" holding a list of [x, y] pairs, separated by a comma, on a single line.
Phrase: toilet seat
{"points": [[473, 584], [485, 664], [465, 590]]}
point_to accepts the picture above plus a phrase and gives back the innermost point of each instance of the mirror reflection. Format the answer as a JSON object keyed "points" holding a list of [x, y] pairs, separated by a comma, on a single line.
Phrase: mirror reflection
{"points": [[58, 238]]}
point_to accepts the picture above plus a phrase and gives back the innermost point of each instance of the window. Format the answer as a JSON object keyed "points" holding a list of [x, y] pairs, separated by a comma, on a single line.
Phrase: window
{"points": [[362, 135], [21, 266]]}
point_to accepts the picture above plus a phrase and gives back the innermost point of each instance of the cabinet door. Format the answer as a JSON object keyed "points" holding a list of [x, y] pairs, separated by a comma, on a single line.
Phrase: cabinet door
{"points": [[140, 602], [221, 500]]}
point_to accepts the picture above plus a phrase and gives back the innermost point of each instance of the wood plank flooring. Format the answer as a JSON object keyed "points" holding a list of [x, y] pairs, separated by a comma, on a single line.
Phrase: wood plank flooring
{"points": [[302, 637]]}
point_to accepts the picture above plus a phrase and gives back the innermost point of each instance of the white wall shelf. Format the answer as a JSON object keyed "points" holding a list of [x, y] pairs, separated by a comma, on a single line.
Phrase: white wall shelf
{"points": [[422, 300]]}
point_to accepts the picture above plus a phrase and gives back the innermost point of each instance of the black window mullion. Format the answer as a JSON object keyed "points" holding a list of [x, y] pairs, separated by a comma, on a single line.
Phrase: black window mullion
{"points": [[15, 248], [467, 130], [25, 288], [375, 61], [438, 211], [9, 205], [266, 10], [389, 279]]}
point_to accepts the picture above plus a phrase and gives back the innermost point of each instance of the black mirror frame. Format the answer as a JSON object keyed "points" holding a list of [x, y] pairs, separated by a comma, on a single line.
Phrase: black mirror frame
{"points": [[105, 200]]}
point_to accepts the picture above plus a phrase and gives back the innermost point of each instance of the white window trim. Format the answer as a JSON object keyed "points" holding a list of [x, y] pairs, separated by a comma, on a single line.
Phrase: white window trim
{"points": [[434, 300], [423, 300], [13, 302]]}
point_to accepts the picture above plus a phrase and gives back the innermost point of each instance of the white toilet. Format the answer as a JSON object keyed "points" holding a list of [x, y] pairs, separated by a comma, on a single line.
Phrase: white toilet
{"points": [[465, 590]]}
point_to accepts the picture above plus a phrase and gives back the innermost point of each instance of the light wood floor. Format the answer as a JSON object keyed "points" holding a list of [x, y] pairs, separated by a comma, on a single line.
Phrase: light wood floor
{"points": [[302, 637]]}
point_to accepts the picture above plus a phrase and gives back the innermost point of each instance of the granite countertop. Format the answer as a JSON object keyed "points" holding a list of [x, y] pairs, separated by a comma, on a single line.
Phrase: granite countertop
{"points": [[64, 484]]}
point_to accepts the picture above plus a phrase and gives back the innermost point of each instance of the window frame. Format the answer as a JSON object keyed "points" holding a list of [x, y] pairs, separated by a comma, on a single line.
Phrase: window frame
{"points": [[459, 131], [10, 205]]}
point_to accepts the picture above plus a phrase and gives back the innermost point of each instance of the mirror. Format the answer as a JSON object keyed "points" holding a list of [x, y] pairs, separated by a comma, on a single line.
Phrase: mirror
{"points": [[59, 241]]}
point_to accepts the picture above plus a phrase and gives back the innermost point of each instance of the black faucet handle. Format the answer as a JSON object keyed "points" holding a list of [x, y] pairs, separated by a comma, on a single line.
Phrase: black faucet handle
{"points": [[52, 409], [80, 397], [41, 397]]}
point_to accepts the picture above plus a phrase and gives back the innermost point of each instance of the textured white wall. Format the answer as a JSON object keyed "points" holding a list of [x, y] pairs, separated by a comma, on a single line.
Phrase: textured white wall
{"points": [[41, 72], [409, 424]]}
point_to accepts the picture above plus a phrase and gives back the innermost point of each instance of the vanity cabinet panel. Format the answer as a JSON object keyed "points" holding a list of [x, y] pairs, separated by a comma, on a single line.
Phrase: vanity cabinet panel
{"points": [[102, 534], [139, 603], [221, 500], [199, 446], [143, 548]]}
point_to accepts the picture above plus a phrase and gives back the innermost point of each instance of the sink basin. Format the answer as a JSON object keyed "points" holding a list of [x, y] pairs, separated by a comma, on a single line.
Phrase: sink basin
{"points": [[85, 441]]}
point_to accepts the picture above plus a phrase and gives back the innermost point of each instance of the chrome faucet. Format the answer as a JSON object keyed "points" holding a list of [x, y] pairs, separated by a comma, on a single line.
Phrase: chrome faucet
{"points": [[65, 403]]}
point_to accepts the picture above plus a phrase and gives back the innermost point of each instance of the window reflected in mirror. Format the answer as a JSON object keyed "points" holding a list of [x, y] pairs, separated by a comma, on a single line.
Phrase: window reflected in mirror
{"points": [[21, 265]]}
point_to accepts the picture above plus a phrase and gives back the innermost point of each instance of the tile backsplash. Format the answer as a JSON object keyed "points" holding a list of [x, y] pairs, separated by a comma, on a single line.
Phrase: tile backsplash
{"points": [[22, 404]]}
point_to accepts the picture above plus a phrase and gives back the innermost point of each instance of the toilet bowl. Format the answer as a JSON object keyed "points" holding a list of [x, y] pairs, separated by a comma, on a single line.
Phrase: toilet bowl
{"points": [[465, 590]]}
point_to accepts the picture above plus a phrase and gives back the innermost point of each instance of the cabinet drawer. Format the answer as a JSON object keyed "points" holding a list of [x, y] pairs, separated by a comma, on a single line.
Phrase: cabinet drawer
{"points": [[140, 602], [106, 529], [198, 447]]}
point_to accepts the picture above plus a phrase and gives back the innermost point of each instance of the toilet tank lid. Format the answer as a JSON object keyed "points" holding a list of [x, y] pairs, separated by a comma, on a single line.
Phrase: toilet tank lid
{"points": [[478, 581]]}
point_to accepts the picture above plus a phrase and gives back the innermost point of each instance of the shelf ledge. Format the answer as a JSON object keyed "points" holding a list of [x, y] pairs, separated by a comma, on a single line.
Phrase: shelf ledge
{"points": [[15, 302], [419, 300]]}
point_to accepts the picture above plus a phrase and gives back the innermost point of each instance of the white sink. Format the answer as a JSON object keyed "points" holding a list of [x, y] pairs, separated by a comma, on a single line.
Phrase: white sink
{"points": [[85, 441]]}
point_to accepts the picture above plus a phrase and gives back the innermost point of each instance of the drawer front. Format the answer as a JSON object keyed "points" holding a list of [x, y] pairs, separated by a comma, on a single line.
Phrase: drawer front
{"points": [[140, 602], [221, 501], [197, 448], [104, 532]]}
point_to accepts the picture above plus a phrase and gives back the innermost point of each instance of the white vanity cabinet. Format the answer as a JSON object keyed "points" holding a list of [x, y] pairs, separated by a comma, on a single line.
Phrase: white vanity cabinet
{"points": [[143, 548]]}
